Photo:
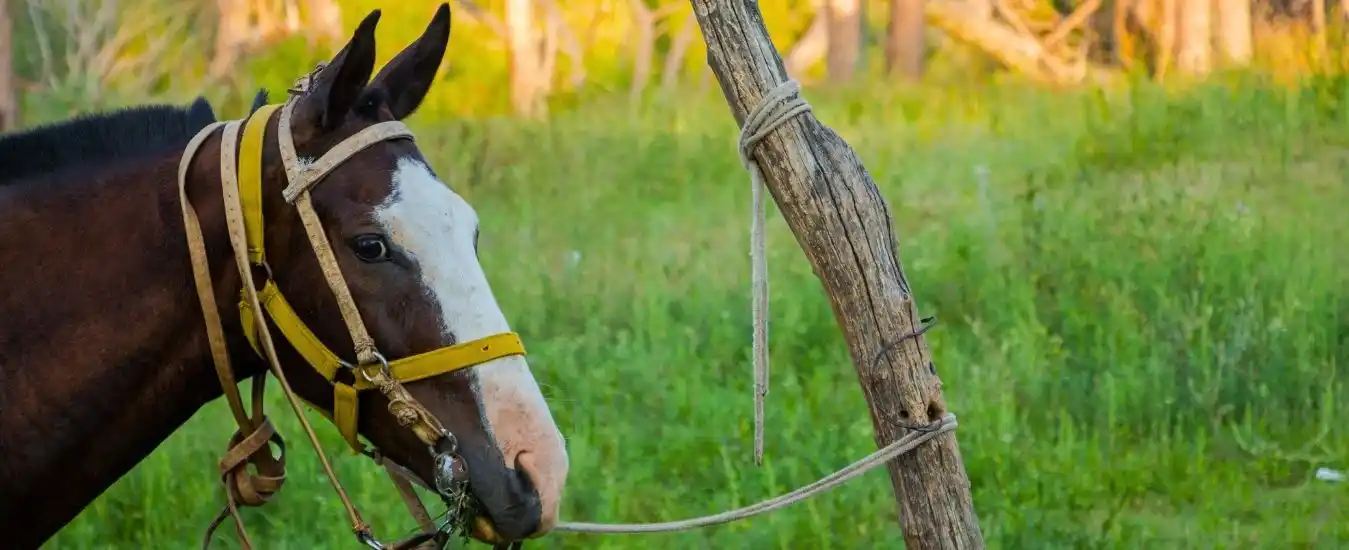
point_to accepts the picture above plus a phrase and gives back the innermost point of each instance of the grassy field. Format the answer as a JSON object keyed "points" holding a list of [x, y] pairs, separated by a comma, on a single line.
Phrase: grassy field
{"points": [[1142, 311]]}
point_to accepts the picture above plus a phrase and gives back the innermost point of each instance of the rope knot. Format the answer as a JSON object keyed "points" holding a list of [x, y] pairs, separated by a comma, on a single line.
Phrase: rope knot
{"points": [[405, 415], [779, 105]]}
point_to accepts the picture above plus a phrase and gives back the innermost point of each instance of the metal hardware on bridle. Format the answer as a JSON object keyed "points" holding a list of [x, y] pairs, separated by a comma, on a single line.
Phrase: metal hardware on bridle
{"points": [[369, 540], [241, 183], [305, 83], [383, 364], [450, 471]]}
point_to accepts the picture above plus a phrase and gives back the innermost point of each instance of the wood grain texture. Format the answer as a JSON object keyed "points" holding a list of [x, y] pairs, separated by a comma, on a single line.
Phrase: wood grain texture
{"points": [[844, 225]]}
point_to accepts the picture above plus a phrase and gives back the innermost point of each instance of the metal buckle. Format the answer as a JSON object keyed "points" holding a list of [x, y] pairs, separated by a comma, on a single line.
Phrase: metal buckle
{"points": [[383, 368], [305, 83], [444, 472], [447, 444], [447, 468], [369, 540], [343, 365]]}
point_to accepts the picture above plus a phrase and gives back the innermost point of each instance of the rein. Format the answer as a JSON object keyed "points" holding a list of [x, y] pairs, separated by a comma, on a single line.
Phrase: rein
{"points": [[241, 182]]}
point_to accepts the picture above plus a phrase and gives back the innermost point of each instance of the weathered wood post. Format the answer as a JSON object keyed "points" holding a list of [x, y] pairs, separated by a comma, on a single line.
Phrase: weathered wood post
{"points": [[841, 221]]}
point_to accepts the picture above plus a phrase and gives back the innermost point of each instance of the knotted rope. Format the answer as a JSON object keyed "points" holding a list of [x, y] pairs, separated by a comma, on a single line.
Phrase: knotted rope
{"points": [[779, 105]]}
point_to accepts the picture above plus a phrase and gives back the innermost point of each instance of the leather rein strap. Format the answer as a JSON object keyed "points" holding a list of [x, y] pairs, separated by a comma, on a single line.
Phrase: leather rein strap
{"points": [[241, 183]]}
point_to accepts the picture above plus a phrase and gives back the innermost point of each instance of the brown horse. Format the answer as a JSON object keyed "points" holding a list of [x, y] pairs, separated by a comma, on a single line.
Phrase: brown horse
{"points": [[103, 350]]}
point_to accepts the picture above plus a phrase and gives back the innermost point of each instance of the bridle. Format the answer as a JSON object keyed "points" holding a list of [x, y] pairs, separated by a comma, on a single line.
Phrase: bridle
{"points": [[241, 182]]}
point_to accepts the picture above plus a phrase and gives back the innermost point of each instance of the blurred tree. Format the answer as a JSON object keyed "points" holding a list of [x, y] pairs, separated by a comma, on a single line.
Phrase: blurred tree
{"points": [[904, 39], [9, 89], [248, 24], [529, 85], [1319, 26], [642, 45], [1194, 37], [232, 34], [844, 19], [1145, 34], [1233, 28], [812, 45], [680, 42], [322, 21], [561, 38]]}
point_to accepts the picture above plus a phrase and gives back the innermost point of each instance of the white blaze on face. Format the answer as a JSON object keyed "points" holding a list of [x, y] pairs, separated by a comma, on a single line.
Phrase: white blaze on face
{"points": [[436, 226]]}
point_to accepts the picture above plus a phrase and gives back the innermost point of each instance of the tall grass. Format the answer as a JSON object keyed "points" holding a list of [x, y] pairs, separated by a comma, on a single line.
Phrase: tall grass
{"points": [[1142, 296]]}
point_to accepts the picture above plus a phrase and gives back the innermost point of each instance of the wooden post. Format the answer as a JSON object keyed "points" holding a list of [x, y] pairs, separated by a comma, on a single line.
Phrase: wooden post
{"points": [[838, 216]]}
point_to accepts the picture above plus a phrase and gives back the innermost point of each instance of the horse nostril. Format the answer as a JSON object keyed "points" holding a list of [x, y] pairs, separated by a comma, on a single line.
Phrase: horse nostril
{"points": [[530, 507], [526, 514], [526, 481], [514, 509]]}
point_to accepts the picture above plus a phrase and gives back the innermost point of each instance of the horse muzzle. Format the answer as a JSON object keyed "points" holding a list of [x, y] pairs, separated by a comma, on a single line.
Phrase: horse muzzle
{"points": [[509, 506]]}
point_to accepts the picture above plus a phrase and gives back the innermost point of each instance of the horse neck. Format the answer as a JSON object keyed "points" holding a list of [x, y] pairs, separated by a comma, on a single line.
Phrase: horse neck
{"points": [[103, 349]]}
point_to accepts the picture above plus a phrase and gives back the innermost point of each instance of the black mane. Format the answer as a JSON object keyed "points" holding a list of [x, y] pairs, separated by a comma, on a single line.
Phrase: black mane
{"points": [[95, 139]]}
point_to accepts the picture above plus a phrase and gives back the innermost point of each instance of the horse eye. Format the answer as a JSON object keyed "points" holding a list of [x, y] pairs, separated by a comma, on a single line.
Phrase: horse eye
{"points": [[370, 248]]}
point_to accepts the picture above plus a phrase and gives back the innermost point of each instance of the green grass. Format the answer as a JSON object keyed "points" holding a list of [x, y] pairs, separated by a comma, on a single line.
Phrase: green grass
{"points": [[1141, 295]]}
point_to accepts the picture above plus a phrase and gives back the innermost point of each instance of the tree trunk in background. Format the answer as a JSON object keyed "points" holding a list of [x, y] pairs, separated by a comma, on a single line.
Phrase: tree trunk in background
{"points": [[679, 50], [1168, 28], [528, 84], [9, 88], [1016, 50], [323, 22], [1319, 30], [548, 48], [565, 42], [814, 44], [1194, 37], [268, 26], [1232, 24], [904, 40], [845, 38], [1145, 35], [643, 47], [231, 34]]}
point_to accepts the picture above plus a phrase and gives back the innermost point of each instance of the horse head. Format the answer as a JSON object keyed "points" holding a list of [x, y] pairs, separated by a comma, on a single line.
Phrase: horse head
{"points": [[404, 249]]}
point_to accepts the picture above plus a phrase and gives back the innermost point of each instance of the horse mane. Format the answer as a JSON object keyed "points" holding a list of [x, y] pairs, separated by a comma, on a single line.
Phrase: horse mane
{"points": [[92, 140]]}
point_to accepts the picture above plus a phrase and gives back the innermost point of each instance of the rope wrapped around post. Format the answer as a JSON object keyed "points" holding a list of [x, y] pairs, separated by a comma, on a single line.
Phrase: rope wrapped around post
{"points": [[779, 105]]}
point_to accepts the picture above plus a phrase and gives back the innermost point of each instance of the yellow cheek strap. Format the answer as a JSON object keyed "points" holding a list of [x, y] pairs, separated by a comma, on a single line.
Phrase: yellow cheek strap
{"points": [[408, 369]]}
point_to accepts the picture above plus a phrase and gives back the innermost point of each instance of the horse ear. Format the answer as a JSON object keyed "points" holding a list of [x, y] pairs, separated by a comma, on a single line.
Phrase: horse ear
{"points": [[259, 101], [336, 88], [200, 113], [408, 76]]}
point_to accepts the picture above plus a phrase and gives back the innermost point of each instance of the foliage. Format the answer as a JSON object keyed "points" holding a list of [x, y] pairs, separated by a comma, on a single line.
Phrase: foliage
{"points": [[1142, 311], [82, 54]]}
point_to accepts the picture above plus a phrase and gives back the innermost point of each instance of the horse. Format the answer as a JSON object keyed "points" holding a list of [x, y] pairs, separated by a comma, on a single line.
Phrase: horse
{"points": [[121, 316]]}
